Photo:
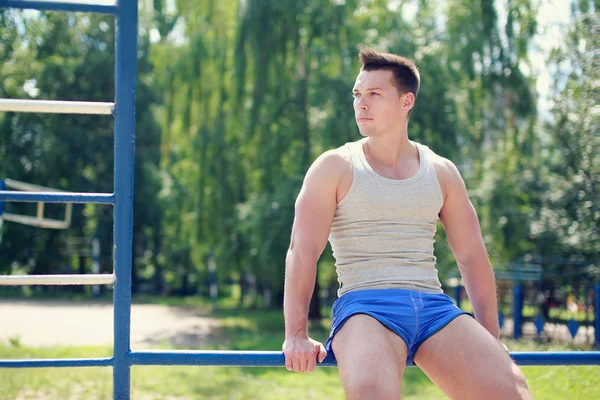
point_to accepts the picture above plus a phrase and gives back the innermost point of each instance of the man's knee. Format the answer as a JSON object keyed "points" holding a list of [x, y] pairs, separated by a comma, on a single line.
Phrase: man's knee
{"points": [[502, 384], [512, 385], [366, 389], [519, 383]]}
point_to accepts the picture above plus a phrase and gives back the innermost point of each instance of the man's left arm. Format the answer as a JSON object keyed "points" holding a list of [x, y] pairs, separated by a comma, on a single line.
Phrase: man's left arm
{"points": [[459, 218]]}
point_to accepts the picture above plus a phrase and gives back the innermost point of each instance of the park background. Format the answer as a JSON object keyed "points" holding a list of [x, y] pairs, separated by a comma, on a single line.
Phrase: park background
{"points": [[235, 99]]}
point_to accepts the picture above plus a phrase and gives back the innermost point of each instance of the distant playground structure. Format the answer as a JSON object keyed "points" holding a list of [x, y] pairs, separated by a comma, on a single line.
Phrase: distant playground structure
{"points": [[560, 305], [39, 220], [123, 110]]}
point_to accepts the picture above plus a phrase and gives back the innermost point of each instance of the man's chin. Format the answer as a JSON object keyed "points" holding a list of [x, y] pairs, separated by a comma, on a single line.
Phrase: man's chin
{"points": [[367, 132]]}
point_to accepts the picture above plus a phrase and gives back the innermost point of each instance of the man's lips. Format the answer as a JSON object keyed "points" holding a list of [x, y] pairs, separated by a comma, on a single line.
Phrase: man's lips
{"points": [[364, 119]]}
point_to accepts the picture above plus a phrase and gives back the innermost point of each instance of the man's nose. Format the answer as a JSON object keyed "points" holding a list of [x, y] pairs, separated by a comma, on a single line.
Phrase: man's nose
{"points": [[361, 104]]}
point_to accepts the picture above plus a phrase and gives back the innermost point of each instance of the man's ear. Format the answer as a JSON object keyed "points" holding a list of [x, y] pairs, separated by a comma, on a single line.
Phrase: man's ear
{"points": [[408, 101]]}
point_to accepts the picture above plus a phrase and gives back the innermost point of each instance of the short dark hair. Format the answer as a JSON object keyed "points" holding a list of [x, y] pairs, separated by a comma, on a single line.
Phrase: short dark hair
{"points": [[406, 74]]}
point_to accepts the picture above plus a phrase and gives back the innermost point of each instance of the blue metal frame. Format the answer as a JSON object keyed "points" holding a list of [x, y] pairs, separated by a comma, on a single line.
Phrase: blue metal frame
{"points": [[277, 359], [61, 6], [517, 311], [125, 86], [63, 362], [47, 197], [266, 359]]}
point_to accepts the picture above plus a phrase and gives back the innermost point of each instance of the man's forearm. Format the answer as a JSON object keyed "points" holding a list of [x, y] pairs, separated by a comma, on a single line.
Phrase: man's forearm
{"points": [[480, 285], [300, 279]]}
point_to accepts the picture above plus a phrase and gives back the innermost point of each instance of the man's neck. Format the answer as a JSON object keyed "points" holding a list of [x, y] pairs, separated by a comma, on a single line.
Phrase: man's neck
{"points": [[389, 149]]}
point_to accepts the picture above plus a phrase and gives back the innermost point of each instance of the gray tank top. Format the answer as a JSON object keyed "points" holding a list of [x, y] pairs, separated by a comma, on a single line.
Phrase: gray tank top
{"points": [[382, 232]]}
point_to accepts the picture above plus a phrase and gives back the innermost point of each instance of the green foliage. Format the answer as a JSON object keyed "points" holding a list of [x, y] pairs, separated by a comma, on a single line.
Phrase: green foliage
{"points": [[236, 99], [570, 214]]}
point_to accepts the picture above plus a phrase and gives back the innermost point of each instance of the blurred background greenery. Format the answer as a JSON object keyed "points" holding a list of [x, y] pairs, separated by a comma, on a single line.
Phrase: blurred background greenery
{"points": [[235, 99]]}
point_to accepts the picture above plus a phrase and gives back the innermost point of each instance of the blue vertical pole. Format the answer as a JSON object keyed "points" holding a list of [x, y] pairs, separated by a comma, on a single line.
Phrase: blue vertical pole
{"points": [[518, 310], [457, 291], [125, 82], [597, 315]]}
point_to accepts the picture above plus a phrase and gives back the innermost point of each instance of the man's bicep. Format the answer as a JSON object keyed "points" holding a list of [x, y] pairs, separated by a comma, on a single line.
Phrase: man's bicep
{"points": [[314, 211]]}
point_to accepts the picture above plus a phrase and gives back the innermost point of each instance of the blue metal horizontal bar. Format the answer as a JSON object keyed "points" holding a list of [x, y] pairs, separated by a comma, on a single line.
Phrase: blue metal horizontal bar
{"points": [[56, 197], [211, 358], [60, 362], [72, 5], [276, 358], [270, 359], [557, 358]]}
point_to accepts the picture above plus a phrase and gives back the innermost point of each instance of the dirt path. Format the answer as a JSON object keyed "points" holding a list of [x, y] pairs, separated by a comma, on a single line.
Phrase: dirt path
{"points": [[52, 323]]}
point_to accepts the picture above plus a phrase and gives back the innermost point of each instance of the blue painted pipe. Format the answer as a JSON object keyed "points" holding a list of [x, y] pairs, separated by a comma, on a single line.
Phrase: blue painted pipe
{"points": [[59, 6], [276, 358], [214, 358], [53, 197], [125, 84], [269, 359], [64, 362], [518, 311], [557, 358]]}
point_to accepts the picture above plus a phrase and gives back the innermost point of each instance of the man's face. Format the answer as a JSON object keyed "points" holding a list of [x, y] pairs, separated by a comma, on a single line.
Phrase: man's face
{"points": [[378, 107]]}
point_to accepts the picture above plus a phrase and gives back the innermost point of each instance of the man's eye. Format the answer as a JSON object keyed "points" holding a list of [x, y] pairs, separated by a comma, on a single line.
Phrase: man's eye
{"points": [[375, 93], [355, 95]]}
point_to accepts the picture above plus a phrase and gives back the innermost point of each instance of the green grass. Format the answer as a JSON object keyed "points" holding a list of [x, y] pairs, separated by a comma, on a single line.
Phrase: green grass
{"points": [[247, 330], [175, 382]]}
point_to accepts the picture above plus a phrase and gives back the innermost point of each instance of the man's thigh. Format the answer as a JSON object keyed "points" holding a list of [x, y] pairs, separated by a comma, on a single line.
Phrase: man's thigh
{"points": [[466, 362], [370, 357]]}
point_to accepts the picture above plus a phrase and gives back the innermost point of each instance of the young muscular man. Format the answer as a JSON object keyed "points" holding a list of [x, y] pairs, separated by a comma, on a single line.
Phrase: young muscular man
{"points": [[378, 200]]}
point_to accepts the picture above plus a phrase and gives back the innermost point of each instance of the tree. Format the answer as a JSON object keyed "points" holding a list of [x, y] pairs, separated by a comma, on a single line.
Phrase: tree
{"points": [[568, 224]]}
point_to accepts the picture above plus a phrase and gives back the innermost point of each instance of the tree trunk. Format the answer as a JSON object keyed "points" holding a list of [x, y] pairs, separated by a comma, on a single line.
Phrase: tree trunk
{"points": [[243, 288], [158, 278], [186, 283]]}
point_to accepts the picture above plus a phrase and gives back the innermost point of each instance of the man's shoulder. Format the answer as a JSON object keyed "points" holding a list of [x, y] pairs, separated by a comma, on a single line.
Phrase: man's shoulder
{"points": [[437, 160], [445, 169], [327, 170], [334, 160]]}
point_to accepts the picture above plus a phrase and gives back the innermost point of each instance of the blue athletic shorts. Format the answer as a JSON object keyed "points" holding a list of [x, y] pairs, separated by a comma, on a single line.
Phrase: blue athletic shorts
{"points": [[412, 315]]}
